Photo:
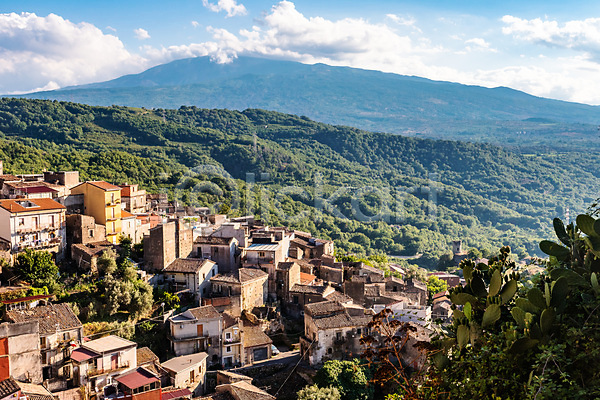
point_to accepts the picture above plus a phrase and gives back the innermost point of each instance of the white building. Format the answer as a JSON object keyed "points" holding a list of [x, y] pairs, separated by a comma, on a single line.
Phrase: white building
{"points": [[188, 371], [191, 274], [195, 330], [97, 362], [38, 224]]}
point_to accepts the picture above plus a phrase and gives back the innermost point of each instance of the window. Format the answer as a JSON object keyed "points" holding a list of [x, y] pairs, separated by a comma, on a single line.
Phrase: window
{"points": [[329, 350], [261, 253], [227, 335], [338, 335], [358, 331], [21, 221], [228, 349], [91, 232], [295, 299], [43, 342], [66, 336]]}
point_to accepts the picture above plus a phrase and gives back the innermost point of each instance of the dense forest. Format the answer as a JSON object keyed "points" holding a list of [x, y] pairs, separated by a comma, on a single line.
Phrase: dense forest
{"points": [[370, 192]]}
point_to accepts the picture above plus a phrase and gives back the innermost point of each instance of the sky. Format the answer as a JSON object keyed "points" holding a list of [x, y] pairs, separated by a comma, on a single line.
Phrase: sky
{"points": [[545, 48]]}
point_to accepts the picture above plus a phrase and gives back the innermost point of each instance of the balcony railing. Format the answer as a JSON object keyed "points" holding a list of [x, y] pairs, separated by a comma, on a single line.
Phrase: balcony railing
{"points": [[38, 228], [38, 244], [93, 371]]}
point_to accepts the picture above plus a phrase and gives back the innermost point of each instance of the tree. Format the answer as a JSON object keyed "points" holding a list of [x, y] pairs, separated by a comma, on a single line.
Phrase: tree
{"points": [[313, 392], [106, 263], [435, 285], [474, 254], [348, 377], [36, 267]]}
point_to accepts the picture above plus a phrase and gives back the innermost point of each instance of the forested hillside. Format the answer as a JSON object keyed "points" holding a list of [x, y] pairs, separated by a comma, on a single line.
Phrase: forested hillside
{"points": [[423, 193]]}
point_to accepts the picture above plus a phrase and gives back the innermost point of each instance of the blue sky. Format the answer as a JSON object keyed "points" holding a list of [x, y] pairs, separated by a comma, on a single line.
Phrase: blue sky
{"points": [[550, 48]]}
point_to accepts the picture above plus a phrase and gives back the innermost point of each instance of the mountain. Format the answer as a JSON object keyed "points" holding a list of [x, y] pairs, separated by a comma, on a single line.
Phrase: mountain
{"points": [[370, 192], [366, 99]]}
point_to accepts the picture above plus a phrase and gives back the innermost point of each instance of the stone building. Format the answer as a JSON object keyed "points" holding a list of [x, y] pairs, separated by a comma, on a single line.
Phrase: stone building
{"points": [[85, 256], [248, 283], [59, 331], [133, 199], [303, 245], [197, 329], [188, 372], [20, 351], [256, 344], [165, 243], [83, 229], [192, 274], [287, 275], [232, 352], [223, 251], [331, 332]]}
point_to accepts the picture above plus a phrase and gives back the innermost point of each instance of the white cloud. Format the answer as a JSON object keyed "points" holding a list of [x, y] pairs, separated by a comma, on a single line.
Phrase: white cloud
{"points": [[231, 7], [478, 44], [141, 34], [195, 24], [581, 35], [46, 52]]}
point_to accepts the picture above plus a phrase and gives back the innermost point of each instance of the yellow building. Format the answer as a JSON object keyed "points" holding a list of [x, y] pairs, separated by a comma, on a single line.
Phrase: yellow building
{"points": [[102, 201]]}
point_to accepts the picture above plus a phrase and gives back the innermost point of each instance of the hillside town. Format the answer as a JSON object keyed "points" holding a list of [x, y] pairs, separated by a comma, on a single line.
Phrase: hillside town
{"points": [[242, 285]]}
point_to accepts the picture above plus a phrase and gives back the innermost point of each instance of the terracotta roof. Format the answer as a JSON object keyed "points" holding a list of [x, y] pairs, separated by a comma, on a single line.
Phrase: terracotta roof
{"points": [[176, 394], [310, 289], [341, 320], [35, 392], [9, 177], [205, 312], [188, 265], [81, 354], [285, 265], [126, 214], [339, 297], [213, 240], [102, 185], [243, 390], [94, 248], [28, 205], [126, 190], [52, 318], [323, 308], [144, 356], [8, 387], [306, 279], [249, 274], [228, 320], [233, 376], [228, 278], [138, 378], [253, 336]]}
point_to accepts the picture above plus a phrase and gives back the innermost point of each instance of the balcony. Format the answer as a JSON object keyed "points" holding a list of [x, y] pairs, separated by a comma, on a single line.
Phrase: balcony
{"points": [[112, 203], [188, 338], [93, 371], [38, 244], [38, 228]]}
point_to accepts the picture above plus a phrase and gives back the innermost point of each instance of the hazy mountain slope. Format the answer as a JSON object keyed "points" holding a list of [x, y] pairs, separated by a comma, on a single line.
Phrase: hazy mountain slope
{"points": [[347, 96]]}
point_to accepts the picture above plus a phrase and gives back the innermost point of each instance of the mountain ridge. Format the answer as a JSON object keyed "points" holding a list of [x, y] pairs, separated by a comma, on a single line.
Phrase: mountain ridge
{"points": [[371, 100]]}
